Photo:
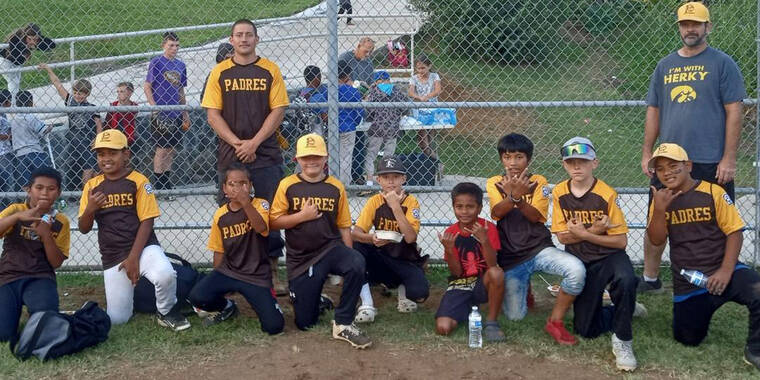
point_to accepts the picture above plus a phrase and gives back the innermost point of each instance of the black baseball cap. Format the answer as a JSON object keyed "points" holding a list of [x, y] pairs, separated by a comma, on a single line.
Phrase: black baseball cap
{"points": [[391, 164]]}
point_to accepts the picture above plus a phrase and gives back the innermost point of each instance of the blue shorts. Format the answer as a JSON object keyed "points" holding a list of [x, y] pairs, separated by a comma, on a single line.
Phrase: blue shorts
{"points": [[458, 301]]}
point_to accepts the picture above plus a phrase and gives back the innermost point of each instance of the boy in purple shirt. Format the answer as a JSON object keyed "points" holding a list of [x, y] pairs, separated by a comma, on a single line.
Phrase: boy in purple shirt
{"points": [[165, 85]]}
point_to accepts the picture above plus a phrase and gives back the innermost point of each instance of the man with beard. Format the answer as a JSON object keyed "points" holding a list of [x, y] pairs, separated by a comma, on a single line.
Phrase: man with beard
{"points": [[695, 100]]}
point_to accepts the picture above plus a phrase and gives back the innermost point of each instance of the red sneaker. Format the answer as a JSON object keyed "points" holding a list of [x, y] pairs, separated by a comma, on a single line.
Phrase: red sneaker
{"points": [[529, 299], [557, 330]]}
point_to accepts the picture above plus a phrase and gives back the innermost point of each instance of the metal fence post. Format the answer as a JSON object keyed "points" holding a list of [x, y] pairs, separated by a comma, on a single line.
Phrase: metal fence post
{"points": [[332, 86], [757, 139], [72, 68]]}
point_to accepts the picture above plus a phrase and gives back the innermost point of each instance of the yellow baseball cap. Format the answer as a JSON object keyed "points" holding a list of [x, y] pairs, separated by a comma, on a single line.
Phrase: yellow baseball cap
{"points": [[311, 145], [111, 139], [693, 11], [668, 150]]}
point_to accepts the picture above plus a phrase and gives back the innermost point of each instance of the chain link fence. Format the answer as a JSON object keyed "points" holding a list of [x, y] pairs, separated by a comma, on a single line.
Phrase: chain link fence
{"points": [[550, 69]]}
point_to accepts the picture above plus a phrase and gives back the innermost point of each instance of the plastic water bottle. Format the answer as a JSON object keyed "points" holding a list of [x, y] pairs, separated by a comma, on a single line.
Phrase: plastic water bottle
{"points": [[476, 328], [695, 277]]}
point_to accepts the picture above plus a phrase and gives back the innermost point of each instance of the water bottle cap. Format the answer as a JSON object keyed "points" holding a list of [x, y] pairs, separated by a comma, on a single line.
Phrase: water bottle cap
{"points": [[474, 308], [683, 270]]}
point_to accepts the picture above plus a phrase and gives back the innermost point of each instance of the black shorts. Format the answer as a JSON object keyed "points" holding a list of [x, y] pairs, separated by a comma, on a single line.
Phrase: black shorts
{"points": [[457, 303], [167, 132], [80, 155]]}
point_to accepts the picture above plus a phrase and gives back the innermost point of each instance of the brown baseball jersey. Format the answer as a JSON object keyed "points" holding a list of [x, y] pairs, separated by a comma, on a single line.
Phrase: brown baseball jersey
{"points": [[309, 241], [23, 251], [520, 238], [376, 213], [601, 199], [698, 222], [246, 94], [244, 250], [129, 201]]}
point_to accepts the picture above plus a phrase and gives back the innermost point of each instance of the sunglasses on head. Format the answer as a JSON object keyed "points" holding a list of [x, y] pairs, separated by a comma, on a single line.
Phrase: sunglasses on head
{"points": [[574, 149]]}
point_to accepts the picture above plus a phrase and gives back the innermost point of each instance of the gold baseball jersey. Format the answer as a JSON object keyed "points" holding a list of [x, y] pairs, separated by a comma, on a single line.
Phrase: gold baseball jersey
{"points": [[600, 200], [309, 241], [23, 251], [246, 94], [376, 213], [698, 222], [244, 250], [129, 201], [520, 238]]}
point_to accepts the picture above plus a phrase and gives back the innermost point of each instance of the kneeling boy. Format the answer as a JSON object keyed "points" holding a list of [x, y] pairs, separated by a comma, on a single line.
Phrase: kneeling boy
{"points": [[705, 232], [241, 262], [470, 247], [121, 200], [394, 264], [589, 222], [519, 205], [312, 208], [35, 243]]}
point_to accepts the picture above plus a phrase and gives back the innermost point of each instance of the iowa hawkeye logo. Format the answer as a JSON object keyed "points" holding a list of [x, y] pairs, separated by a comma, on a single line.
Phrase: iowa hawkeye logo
{"points": [[682, 94]]}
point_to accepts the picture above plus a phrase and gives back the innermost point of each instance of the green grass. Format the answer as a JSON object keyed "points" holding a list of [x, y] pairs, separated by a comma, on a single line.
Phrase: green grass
{"points": [[617, 132], [59, 18], [142, 341]]}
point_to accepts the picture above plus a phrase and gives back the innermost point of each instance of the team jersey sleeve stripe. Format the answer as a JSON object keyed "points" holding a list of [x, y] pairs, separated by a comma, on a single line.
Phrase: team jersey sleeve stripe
{"points": [[63, 240], [262, 207]]}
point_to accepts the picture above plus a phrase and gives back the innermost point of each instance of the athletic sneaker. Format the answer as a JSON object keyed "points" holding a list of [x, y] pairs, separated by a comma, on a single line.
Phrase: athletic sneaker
{"points": [[173, 320], [560, 334], [623, 351], [351, 334], [750, 358], [214, 318], [654, 287], [492, 332], [640, 311], [325, 303]]}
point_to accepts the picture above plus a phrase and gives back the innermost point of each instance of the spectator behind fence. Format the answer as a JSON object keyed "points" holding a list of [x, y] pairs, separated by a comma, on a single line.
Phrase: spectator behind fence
{"points": [[27, 131], [165, 85], [224, 51], [313, 77], [348, 119], [361, 70], [385, 128], [20, 46], [124, 121], [345, 7], [425, 86], [7, 160], [82, 129]]}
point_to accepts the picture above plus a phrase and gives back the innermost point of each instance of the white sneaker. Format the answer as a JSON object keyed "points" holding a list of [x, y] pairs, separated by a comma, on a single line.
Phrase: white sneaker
{"points": [[624, 357], [365, 314], [640, 311]]}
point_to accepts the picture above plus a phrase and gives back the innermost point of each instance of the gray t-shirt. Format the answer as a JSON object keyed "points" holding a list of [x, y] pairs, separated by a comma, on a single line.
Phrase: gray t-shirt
{"points": [[361, 70], [426, 87], [690, 93], [5, 129], [27, 130]]}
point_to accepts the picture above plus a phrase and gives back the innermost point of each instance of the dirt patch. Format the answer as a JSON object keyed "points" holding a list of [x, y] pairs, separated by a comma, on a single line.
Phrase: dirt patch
{"points": [[482, 122], [312, 356]]}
